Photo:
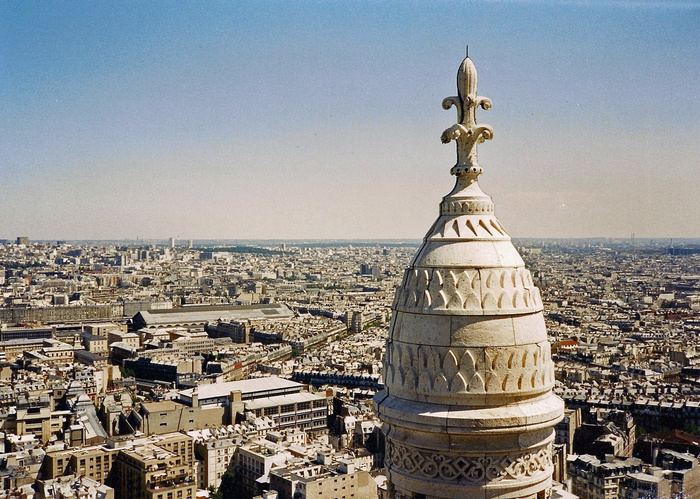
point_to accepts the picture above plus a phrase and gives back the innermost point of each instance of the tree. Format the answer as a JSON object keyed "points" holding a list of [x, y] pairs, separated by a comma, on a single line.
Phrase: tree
{"points": [[227, 489], [691, 428]]}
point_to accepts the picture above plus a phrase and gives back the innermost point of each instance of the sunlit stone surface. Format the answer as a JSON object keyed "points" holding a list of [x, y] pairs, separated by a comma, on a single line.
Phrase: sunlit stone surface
{"points": [[468, 408]]}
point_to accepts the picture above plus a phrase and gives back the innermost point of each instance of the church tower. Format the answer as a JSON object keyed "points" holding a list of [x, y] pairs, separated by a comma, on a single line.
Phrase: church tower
{"points": [[468, 409]]}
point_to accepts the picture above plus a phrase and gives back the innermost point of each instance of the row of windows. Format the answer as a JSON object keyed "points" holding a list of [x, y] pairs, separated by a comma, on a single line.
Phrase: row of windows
{"points": [[179, 494], [288, 408]]}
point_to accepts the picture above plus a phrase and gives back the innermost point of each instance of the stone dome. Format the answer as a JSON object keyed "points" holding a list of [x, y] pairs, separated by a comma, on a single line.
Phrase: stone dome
{"points": [[468, 407]]}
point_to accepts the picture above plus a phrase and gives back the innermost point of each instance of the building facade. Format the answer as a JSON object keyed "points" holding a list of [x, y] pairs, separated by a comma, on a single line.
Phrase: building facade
{"points": [[159, 470]]}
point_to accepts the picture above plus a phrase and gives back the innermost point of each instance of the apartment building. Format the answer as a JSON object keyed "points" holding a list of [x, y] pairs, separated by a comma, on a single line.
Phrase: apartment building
{"points": [[315, 480], [302, 410], [217, 456], [163, 469], [94, 462], [253, 462], [592, 478]]}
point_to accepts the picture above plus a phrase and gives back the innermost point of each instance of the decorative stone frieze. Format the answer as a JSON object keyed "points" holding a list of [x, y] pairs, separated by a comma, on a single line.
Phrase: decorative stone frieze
{"points": [[456, 207], [423, 370], [494, 291], [480, 228], [470, 469]]}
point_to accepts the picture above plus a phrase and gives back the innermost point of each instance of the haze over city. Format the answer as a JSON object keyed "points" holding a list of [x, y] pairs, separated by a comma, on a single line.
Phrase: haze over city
{"points": [[323, 119], [212, 277]]}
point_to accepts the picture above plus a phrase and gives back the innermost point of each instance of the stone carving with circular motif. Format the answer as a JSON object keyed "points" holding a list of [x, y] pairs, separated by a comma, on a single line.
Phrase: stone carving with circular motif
{"points": [[472, 469]]}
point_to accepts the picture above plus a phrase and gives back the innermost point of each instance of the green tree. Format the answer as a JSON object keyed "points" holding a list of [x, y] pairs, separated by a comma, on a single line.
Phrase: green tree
{"points": [[227, 490], [691, 428]]}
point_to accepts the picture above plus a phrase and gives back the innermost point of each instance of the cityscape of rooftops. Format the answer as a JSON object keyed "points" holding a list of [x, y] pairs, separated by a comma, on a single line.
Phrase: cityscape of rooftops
{"points": [[237, 262]]}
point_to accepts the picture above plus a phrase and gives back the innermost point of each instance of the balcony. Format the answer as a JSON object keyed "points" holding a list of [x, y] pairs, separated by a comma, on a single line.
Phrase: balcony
{"points": [[171, 484]]}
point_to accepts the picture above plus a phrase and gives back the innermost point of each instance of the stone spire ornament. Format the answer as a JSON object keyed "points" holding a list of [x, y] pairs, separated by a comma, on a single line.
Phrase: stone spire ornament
{"points": [[467, 133], [468, 409]]}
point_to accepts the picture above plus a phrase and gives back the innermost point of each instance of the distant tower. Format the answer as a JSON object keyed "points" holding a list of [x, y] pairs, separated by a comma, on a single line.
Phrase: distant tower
{"points": [[356, 320], [171, 242], [468, 407]]}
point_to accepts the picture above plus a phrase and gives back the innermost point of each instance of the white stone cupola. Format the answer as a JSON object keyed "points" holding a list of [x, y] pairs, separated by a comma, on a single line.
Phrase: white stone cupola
{"points": [[468, 407]]}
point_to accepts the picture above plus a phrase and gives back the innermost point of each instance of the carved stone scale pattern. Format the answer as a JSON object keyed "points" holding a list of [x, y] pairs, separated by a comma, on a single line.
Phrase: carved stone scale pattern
{"points": [[473, 291], [471, 469], [429, 370]]}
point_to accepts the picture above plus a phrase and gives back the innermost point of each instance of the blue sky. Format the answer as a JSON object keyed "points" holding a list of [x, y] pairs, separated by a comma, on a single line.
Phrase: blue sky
{"points": [[322, 119]]}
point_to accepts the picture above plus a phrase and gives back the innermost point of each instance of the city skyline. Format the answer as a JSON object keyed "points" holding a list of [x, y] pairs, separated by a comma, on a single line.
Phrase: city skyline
{"points": [[322, 120]]}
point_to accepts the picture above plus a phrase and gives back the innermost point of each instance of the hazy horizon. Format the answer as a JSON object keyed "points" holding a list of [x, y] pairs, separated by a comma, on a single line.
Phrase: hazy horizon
{"points": [[213, 242], [321, 120]]}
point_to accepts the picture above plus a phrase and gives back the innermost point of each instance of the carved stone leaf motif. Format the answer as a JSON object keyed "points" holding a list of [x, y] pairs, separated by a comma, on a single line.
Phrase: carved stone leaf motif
{"points": [[391, 375], [434, 364], [488, 290], [452, 297], [427, 369], [405, 356], [459, 384], [450, 366], [467, 365], [441, 385], [424, 382], [501, 362], [435, 291], [474, 219], [476, 384], [475, 470], [410, 378]]}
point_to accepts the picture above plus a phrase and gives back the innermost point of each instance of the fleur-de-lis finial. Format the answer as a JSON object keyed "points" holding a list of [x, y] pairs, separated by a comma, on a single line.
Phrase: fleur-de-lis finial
{"points": [[466, 132]]}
